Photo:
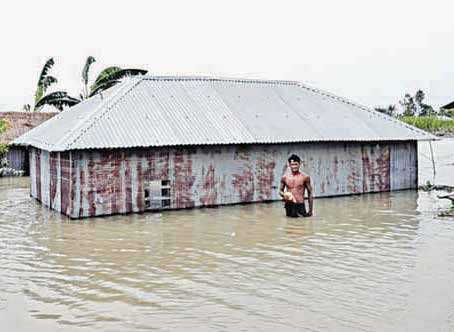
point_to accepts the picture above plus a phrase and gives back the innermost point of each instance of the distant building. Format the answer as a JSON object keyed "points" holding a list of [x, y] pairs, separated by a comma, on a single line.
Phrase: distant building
{"points": [[154, 143], [447, 111], [18, 124], [449, 106]]}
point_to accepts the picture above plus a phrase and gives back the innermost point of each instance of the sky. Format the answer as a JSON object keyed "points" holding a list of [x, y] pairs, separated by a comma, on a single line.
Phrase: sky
{"points": [[371, 52]]}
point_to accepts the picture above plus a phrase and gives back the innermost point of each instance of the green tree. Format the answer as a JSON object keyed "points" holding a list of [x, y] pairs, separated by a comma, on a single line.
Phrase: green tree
{"points": [[57, 99], [409, 105], [107, 78], [415, 106]]}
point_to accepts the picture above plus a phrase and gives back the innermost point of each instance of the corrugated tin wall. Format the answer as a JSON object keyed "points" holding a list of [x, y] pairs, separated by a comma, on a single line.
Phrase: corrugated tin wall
{"points": [[404, 166], [103, 182], [17, 158], [49, 179]]}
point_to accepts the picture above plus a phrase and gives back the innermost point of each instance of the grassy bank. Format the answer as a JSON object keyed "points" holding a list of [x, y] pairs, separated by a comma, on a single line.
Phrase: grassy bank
{"points": [[431, 124]]}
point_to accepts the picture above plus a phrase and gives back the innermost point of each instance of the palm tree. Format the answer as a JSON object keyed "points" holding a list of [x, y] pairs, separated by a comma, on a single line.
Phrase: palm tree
{"points": [[58, 99], [107, 78]]}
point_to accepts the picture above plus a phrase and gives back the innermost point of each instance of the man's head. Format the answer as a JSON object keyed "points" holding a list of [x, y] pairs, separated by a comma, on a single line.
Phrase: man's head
{"points": [[294, 163]]}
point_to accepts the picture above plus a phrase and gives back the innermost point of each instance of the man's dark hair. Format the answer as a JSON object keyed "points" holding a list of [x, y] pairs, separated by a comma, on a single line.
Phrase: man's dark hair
{"points": [[294, 157]]}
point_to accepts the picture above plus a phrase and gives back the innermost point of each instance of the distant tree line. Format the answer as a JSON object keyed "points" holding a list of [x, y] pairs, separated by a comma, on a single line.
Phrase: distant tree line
{"points": [[107, 78], [414, 106]]}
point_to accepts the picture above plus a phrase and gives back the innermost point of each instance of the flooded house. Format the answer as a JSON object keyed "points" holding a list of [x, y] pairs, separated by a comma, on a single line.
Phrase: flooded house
{"points": [[18, 124], [155, 143]]}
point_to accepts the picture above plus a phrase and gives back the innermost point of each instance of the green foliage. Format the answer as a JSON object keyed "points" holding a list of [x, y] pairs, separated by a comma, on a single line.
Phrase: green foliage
{"points": [[107, 78], [430, 123], [414, 106], [112, 76], [85, 75], [57, 99], [44, 80], [3, 127]]}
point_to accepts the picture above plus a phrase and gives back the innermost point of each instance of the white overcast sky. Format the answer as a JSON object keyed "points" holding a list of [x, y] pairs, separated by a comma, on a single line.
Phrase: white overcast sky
{"points": [[370, 51]]}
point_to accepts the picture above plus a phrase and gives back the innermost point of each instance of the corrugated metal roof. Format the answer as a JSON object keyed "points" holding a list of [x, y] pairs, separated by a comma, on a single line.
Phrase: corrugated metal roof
{"points": [[164, 111]]}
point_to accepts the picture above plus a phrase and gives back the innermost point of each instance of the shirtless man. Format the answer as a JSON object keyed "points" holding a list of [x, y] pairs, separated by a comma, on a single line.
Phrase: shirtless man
{"points": [[296, 183]]}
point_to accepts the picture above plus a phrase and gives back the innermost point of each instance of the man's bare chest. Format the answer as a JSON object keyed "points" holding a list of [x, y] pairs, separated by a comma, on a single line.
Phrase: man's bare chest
{"points": [[295, 182]]}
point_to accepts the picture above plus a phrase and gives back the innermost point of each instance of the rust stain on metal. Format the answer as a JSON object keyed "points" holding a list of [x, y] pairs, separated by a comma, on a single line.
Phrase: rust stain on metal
{"points": [[128, 185], [375, 168], [115, 190], [108, 182], [183, 179], [38, 174], [91, 186], [65, 181], [243, 183], [81, 189], [265, 178], [73, 187], [209, 195], [336, 172], [353, 178], [140, 195], [53, 177]]}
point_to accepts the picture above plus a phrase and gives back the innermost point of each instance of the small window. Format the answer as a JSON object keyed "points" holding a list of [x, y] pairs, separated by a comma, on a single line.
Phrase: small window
{"points": [[166, 203], [165, 192], [157, 195]]}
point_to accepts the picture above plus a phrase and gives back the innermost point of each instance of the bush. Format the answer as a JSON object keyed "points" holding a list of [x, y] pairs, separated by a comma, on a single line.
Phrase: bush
{"points": [[430, 123], [3, 147]]}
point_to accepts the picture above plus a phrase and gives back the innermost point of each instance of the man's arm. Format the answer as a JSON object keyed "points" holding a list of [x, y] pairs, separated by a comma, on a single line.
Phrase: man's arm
{"points": [[310, 195], [282, 188]]}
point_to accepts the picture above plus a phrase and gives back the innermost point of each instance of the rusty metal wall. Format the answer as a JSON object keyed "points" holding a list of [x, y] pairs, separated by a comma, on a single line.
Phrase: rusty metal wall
{"points": [[33, 173], [404, 165], [17, 158], [49, 172], [107, 182]]}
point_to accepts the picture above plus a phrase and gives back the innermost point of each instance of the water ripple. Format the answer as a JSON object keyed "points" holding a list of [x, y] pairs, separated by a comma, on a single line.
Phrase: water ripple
{"points": [[363, 263]]}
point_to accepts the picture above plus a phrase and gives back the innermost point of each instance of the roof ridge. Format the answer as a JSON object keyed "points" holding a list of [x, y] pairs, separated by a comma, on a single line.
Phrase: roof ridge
{"points": [[85, 125], [215, 78], [364, 108]]}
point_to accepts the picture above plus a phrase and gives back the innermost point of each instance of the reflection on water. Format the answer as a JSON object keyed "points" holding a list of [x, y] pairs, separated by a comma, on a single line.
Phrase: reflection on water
{"points": [[371, 262]]}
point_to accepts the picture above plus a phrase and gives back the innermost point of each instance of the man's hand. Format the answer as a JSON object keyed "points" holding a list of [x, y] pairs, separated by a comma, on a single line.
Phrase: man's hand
{"points": [[281, 189]]}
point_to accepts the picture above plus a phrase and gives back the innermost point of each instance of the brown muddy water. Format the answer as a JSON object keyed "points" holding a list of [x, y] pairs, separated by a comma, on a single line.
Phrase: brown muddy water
{"points": [[364, 263]]}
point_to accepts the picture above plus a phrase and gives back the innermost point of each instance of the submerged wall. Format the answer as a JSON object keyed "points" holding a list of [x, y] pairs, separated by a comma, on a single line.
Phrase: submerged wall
{"points": [[103, 182], [17, 158]]}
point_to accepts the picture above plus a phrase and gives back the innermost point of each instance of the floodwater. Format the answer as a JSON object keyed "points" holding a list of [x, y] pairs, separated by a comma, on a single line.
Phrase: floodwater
{"points": [[365, 263]]}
